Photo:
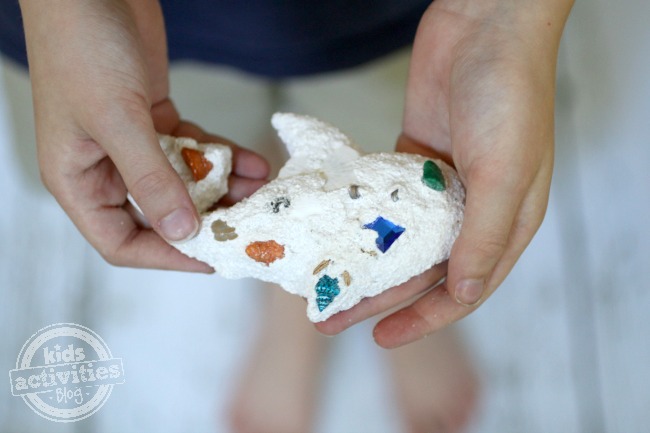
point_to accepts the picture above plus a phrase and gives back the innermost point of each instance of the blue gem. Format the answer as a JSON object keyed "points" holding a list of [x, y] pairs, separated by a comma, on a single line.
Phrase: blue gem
{"points": [[388, 232], [327, 288]]}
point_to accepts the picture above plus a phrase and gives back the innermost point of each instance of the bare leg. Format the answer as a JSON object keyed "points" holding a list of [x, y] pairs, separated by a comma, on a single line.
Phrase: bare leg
{"points": [[278, 389], [435, 383]]}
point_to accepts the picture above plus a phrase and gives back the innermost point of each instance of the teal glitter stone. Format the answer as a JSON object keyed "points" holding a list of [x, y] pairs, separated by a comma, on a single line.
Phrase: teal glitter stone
{"points": [[432, 176], [327, 289]]}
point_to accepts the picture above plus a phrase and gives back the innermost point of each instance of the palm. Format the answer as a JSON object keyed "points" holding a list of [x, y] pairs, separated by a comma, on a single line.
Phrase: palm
{"points": [[482, 99], [99, 75]]}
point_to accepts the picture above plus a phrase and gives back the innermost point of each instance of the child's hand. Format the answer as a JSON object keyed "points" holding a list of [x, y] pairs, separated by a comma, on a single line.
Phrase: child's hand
{"points": [[100, 85], [481, 95]]}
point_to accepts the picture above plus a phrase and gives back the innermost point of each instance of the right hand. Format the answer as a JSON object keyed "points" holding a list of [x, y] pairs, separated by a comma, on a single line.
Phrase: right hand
{"points": [[481, 96], [100, 89]]}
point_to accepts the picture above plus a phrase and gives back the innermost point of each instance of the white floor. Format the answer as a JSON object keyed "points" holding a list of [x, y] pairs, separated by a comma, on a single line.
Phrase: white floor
{"points": [[563, 345]]}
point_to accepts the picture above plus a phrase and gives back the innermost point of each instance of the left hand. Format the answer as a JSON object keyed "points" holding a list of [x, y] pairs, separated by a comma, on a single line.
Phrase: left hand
{"points": [[100, 86], [480, 96]]}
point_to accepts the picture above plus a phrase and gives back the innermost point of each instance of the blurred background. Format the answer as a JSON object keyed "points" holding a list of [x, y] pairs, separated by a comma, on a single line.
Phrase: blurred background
{"points": [[563, 345]]}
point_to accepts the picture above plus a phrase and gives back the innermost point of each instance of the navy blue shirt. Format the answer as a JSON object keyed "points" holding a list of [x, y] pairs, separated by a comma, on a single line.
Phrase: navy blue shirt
{"points": [[272, 38]]}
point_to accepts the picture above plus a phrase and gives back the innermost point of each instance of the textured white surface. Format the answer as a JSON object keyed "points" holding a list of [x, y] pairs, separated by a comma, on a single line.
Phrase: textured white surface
{"points": [[310, 212], [183, 338], [207, 191]]}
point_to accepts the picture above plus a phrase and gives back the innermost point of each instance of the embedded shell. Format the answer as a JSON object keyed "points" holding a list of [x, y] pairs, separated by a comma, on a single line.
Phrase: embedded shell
{"points": [[310, 230]]}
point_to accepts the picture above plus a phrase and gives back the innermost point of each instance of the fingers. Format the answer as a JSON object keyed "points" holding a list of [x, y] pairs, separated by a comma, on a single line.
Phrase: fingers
{"points": [[430, 313], [96, 132], [95, 200], [369, 307], [240, 188], [438, 307], [505, 205], [492, 202], [132, 144], [124, 243], [528, 220], [246, 163], [156, 188], [151, 180], [501, 215], [249, 170], [407, 144]]}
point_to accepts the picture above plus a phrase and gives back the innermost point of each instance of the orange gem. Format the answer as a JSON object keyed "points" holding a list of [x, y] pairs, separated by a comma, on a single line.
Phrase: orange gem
{"points": [[265, 252], [195, 160]]}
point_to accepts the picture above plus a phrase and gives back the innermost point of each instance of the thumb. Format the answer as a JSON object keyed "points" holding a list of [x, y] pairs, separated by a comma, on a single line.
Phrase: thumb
{"points": [[492, 203], [149, 177]]}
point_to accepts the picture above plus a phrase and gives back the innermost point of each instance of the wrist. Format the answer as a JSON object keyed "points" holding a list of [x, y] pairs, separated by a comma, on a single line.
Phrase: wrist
{"points": [[505, 9], [521, 28], [550, 14]]}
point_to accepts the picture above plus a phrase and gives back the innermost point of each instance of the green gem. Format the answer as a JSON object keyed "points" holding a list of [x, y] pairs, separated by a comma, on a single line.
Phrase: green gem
{"points": [[432, 176]]}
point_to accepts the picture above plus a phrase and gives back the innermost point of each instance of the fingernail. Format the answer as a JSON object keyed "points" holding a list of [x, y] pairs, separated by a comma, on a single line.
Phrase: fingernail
{"points": [[469, 292], [179, 225]]}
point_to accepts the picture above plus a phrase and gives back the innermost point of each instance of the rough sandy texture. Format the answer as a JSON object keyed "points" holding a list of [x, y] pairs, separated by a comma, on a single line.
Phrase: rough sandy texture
{"points": [[336, 226], [207, 191]]}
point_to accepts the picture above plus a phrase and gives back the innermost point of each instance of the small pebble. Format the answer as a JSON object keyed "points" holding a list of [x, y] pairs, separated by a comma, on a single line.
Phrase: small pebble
{"points": [[354, 192], [222, 231]]}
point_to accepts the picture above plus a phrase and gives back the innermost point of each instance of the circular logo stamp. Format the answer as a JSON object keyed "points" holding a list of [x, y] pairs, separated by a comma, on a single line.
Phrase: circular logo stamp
{"points": [[65, 372]]}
